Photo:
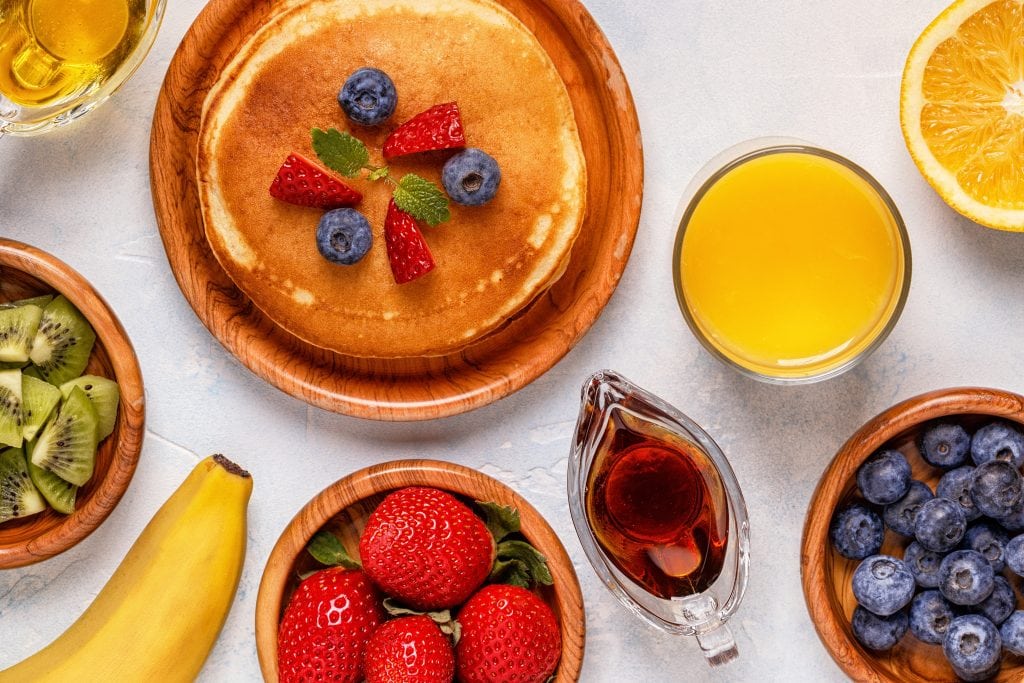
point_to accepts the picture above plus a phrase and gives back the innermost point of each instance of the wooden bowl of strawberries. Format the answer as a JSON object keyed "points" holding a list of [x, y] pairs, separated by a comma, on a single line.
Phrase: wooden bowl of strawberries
{"points": [[426, 557]]}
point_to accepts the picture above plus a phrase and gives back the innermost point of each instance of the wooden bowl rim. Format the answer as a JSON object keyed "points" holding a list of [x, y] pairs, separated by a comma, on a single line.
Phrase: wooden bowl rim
{"points": [[466, 381], [67, 281], [389, 476], [873, 434]]}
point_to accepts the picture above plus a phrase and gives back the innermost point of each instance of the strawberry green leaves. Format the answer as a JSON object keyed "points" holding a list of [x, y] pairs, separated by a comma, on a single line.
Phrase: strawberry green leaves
{"points": [[326, 548], [345, 154], [517, 563]]}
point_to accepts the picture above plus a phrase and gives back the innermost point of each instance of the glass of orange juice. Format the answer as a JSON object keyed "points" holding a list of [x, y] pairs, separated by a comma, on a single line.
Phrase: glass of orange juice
{"points": [[791, 263], [59, 59]]}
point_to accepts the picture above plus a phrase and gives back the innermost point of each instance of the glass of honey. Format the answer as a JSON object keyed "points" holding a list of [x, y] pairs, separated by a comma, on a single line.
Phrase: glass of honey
{"points": [[59, 59], [791, 263], [659, 513]]}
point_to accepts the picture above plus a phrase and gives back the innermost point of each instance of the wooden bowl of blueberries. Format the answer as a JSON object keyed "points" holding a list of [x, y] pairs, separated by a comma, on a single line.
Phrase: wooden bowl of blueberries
{"points": [[72, 407], [913, 546]]}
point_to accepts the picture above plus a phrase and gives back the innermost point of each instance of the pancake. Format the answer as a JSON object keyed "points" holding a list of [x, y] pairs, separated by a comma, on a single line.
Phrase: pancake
{"points": [[491, 260]]}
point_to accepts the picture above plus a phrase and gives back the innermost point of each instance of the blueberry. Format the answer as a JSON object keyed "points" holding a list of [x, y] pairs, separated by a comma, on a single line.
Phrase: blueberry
{"points": [[923, 564], [973, 647], [966, 577], [368, 97], [884, 477], [998, 441], [1014, 555], [956, 485], [471, 177], [1013, 522], [883, 584], [940, 525], [997, 488], [930, 616], [900, 516], [879, 633], [1012, 632], [856, 532], [990, 540], [999, 605], [945, 445], [343, 236]]}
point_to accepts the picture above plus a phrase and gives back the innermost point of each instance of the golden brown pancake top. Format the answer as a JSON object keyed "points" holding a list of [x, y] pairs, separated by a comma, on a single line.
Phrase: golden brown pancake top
{"points": [[491, 260]]}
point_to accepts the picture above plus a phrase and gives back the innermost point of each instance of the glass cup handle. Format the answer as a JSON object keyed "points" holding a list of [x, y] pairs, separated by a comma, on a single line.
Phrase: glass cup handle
{"points": [[714, 637]]}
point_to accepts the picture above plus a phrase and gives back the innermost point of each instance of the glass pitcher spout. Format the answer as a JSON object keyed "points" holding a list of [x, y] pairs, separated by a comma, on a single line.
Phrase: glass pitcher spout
{"points": [[659, 512]]}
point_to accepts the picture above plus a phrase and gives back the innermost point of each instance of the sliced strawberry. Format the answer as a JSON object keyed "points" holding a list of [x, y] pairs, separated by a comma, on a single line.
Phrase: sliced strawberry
{"points": [[439, 127], [407, 250], [300, 181]]}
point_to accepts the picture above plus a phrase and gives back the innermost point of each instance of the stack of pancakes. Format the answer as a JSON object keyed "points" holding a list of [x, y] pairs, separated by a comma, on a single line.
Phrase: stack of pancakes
{"points": [[492, 260]]}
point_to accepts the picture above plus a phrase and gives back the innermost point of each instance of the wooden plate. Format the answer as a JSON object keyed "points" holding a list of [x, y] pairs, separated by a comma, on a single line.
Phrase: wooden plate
{"points": [[827, 576], [413, 388], [25, 272], [344, 506]]}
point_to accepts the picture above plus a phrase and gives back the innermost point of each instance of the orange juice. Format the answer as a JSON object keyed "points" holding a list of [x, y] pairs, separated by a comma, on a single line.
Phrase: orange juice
{"points": [[791, 263]]}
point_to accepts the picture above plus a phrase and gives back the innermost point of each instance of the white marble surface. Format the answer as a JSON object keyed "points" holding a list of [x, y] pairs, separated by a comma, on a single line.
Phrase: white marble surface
{"points": [[705, 74]]}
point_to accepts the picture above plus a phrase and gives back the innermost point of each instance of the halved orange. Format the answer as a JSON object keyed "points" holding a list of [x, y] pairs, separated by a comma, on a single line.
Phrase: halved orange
{"points": [[962, 109]]}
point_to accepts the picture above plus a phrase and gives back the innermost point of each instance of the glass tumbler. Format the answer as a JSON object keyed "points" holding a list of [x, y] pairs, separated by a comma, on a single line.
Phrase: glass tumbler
{"points": [[60, 59], [659, 513]]}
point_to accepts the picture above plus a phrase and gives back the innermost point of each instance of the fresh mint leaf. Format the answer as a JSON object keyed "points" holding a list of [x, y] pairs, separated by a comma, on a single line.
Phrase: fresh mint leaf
{"points": [[340, 151], [378, 173], [422, 199]]}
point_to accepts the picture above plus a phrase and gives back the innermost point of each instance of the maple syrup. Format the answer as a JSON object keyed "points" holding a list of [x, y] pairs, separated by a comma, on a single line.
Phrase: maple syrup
{"points": [[657, 507]]}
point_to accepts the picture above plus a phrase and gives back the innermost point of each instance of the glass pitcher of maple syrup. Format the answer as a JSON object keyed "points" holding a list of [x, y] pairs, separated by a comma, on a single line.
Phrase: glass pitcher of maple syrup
{"points": [[659, 513]]}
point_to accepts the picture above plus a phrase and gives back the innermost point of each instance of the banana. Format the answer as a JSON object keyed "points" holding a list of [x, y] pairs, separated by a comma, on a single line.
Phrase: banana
{"points": [[158, 617]]}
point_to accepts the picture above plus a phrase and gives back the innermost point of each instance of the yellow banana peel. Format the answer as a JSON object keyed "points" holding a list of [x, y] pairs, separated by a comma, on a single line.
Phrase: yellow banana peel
{"points": [[158, 617]]}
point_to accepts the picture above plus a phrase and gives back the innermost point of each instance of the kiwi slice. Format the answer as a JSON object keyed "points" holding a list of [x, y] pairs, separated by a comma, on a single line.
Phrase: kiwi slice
{"points": [[18, 497], [104, 394], [63, 342], [31, 371], [10, 407], [57, 492], [39, 301], [38, 399], [17, 331], [67, 444]]}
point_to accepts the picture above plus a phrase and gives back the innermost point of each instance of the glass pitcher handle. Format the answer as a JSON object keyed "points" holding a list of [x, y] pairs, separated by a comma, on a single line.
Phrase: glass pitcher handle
{"points": [[718, 645], [714, 637]]}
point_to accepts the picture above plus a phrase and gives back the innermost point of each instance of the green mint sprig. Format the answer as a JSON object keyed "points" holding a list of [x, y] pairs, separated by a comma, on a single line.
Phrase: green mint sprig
{"points": [[422, 199], [347, 155], [340, 151]]}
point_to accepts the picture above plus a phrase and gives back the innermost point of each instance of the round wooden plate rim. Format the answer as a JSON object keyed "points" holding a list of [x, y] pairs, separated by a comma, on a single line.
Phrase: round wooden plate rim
{"points": [[131, 419], [877, 431], [393, 475], [461, 381]]}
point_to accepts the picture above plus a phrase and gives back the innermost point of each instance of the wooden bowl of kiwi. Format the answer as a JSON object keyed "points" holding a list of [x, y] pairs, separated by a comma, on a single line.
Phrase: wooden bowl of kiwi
{"points": [[343, 508], [80, 403], [827, 575]]}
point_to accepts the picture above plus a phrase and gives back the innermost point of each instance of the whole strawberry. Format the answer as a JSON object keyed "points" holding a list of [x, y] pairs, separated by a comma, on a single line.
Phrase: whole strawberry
{"points": [[409, 650], [426, 548], [326, 626], [509, 635]]}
